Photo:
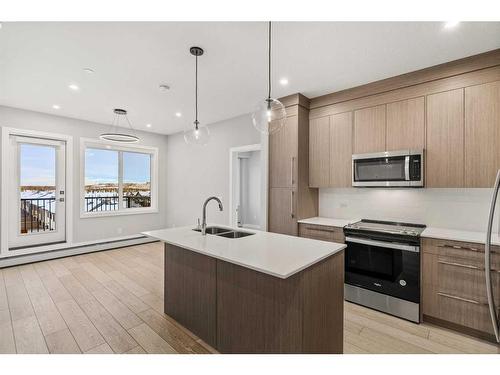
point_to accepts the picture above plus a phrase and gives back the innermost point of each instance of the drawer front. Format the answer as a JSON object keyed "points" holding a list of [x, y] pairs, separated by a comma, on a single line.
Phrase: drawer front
{"points": [[463, 279], [321, 232], [467, 313], [471, 253], [454, 289]]}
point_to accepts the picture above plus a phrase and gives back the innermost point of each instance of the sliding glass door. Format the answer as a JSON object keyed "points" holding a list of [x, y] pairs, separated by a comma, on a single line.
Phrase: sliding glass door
{"points": [[37, 211]]}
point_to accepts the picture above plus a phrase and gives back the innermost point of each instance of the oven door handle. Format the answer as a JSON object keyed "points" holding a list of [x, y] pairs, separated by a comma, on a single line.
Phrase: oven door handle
{"points": [[389, 245]]}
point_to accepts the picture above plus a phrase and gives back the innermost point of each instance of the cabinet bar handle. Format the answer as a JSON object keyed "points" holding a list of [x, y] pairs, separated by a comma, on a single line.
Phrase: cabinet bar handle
{"points": [[291, 204], [457, 247], [459, 298], [292, 181], [461, 265]]}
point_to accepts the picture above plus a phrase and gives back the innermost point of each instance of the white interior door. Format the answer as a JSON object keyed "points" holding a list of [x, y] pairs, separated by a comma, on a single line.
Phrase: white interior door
{"points": [[37, 207]]}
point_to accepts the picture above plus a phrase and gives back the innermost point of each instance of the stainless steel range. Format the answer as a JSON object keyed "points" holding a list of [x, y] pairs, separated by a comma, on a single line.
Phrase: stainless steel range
{"points": [[382, 266]]}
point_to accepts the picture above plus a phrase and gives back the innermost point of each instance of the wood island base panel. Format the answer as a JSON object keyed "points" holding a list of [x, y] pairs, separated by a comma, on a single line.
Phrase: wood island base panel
{"points": [[239, 310]]}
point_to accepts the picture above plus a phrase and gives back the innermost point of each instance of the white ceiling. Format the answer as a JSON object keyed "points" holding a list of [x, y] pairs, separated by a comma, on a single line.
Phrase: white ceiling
{"points": [[39, 60]]}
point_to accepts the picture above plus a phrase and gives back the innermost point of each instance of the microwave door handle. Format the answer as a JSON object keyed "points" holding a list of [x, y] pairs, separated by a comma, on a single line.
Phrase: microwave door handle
{"points": [[487, 260], [407, 168]]}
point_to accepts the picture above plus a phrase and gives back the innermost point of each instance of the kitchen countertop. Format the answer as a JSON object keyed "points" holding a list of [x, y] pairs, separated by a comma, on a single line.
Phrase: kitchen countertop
{"points": [[429, 232], [330, 222], [271, 253], [459, 235]]}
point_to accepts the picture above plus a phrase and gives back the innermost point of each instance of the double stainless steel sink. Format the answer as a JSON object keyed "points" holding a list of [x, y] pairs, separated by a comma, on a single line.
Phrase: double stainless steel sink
{"points": [[225, 232]]}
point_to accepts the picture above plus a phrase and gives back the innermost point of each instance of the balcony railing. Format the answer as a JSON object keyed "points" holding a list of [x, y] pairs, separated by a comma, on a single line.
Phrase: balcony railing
{"points": [[110, 203], [38, 215]]}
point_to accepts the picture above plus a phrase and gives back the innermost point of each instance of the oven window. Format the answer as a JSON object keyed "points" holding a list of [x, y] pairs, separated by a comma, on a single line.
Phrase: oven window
{"points": [[374, 261], [380, 169]]}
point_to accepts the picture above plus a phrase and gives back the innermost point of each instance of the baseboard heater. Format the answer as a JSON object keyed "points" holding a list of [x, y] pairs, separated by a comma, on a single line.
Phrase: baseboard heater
{"points": [[73, 250]]}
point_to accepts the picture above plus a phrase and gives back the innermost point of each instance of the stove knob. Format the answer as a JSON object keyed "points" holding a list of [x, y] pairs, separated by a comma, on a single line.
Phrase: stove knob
{"points": [[402, 282]]}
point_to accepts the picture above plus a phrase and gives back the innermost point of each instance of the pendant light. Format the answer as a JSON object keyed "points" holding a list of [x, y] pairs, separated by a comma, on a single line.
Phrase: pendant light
{"points": [[269, 114], [116, 133], [199, 134]]}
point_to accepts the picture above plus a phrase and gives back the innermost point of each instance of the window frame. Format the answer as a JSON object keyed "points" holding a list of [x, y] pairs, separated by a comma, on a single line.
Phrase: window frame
{"points": [[106, 145]]}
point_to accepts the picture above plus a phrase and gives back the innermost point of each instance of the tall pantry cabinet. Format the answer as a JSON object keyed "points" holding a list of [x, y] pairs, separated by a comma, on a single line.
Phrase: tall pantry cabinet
{"points": [[290, 197]]}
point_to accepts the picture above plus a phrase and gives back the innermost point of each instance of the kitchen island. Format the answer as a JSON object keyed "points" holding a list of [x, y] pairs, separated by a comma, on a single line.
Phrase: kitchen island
{"points": [[261, 293]]}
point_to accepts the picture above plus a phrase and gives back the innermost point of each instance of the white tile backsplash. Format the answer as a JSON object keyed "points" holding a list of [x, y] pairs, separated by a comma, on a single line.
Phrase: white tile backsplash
{"points": [[465, 209]]}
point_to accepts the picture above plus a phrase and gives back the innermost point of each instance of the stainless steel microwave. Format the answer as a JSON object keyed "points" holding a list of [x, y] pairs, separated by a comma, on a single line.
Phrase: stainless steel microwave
{"points": [[403, 168]]}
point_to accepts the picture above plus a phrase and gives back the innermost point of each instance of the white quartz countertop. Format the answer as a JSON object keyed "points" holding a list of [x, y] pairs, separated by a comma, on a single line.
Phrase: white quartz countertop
{"points": [[459, 235], [271, 253], [328, 221], [429, 232]]}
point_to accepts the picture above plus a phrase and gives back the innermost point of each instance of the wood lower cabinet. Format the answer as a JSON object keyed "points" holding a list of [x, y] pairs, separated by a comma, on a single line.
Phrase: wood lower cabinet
{"points": [[454, 286], [445, 140], [369, 129], [482, 134], [322, 232], [406, 125], [282, 208]]}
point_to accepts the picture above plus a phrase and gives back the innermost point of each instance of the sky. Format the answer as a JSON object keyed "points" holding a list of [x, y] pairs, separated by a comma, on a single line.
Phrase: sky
{"points": [[101, 166]]}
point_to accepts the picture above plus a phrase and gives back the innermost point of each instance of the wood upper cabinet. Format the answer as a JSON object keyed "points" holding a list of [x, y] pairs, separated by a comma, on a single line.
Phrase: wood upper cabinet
{"points": [[369, 129], [319, 152], [341, 150], [482, 134], [283, 147], [445, 139], [406, 124]]}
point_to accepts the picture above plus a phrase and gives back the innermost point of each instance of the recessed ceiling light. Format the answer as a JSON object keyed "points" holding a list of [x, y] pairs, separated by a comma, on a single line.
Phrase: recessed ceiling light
{"points": [[56, 106], [74, 87], [451, 24], [284, 81], [88, 70], [164, 88], [178, 114], [148, 125]]}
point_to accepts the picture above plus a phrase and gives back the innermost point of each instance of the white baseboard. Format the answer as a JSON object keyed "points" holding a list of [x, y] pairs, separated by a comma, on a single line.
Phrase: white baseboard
{"points": [[74, 250]]}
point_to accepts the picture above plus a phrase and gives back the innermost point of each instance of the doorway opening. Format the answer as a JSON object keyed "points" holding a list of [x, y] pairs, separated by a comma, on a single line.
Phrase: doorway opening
{"points": [[246, 190]]}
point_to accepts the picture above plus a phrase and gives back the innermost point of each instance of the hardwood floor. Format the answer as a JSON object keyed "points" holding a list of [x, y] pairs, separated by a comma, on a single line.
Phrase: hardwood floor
{"points": [[112, 302]]}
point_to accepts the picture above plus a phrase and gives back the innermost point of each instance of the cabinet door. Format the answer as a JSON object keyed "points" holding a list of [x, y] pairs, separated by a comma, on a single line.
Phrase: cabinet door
{"points": [[319, 152], [369, 129], [406, 124], [445, 140], [482, 134], [283, 154], [341, 150], [282, 206]]}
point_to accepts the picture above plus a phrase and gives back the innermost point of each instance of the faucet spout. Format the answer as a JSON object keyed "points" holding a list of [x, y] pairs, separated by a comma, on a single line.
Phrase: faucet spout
{"points": [[204, 213]]}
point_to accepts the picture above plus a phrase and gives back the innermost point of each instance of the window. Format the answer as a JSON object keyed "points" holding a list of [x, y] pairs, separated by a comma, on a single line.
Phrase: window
{"points": [[117, 180]]}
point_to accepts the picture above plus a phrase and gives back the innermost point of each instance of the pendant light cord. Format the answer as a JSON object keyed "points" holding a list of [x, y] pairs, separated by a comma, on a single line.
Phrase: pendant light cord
{"points": [[196, 94], [269, 63]]}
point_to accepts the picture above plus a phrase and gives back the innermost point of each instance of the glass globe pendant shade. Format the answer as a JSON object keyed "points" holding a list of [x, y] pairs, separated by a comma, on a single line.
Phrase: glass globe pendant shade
{"points": [[197, 135], [269, 116]]}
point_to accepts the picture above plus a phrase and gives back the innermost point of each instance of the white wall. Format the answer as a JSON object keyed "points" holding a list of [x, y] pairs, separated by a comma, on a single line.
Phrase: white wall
{"points": [[465, 209], [194, 173], [91, 229]]}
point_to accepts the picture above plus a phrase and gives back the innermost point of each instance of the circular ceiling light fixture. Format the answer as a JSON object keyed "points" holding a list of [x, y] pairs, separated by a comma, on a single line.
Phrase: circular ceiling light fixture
{"points": [[56, 106], [269, 114], [199, 134], [116, 133], [74, 87], [178, 114]]}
